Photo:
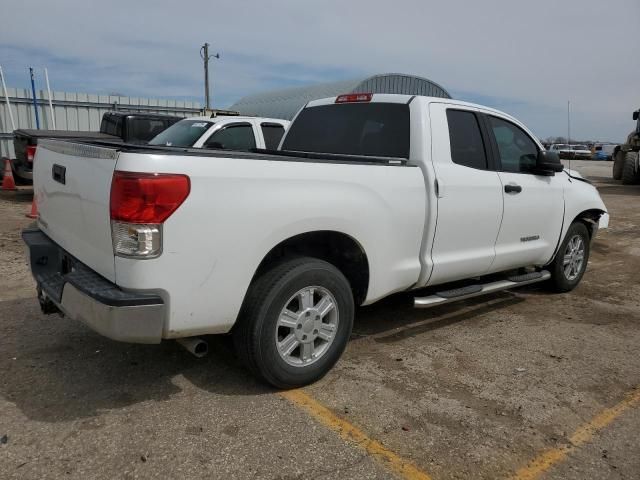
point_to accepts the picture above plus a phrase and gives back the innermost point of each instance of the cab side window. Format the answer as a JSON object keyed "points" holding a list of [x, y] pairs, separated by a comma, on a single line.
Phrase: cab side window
{"points": [[516, 149], [467, 146], [272, 134], [233, 137]]}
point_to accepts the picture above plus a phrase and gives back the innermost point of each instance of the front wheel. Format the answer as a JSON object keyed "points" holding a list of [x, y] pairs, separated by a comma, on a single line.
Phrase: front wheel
{"points": [[295, 322], [571, 260]]}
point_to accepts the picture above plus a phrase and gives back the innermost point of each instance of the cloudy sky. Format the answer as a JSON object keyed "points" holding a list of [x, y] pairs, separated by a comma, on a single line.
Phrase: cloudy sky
{"points": [[524, 57]]}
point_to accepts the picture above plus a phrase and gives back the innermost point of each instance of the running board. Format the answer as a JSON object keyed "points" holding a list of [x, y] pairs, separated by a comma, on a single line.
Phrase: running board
{"points": [[471, 291]]}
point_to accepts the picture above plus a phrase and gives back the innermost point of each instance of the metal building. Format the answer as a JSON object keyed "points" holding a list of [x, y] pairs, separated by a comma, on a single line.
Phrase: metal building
{"points": [[75, 111], [286, 103]]}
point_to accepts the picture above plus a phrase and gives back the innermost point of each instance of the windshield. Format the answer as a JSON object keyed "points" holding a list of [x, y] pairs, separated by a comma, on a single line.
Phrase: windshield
{"points": [[580, 147], [368, 129], [182, 134]]}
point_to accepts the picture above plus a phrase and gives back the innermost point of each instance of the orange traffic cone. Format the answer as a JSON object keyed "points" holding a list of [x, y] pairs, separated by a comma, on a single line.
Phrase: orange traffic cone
{"points": [[8, 183], [34, 208]]}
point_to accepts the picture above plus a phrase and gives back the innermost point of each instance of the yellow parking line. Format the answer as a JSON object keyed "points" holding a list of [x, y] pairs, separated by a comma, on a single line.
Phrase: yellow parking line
{"points": [[547, 459], [350, 433]]}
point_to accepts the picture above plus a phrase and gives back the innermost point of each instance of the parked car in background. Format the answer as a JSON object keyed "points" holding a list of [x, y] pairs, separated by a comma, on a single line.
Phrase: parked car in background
{"points": [[562, 149], [604, 151], [145, 243], [581, 152], [224, 133], [136, 128]]}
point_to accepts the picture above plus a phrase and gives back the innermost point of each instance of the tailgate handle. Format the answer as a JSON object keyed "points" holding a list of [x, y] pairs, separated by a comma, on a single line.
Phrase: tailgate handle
{"points": [[59, 173]]}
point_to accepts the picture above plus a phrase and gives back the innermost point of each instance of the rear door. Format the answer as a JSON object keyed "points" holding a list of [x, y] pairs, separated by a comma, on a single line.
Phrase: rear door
{"points": [[469, 194], [72, 185], [533, 204]]}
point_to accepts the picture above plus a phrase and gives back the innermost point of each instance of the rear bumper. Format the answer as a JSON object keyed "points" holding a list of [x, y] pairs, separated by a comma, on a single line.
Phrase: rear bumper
{"points": [[81, 294]]}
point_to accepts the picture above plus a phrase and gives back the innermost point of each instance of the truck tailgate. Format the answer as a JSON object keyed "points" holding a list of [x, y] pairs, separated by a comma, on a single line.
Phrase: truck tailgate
{"points": [[72, 184]]}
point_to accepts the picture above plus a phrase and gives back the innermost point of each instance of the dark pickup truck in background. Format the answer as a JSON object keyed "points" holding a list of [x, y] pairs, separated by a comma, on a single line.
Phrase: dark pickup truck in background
{"points": [[127, 127]]}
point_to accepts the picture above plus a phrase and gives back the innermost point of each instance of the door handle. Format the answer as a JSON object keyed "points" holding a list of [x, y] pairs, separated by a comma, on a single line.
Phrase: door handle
{"points": [[512, 188]]}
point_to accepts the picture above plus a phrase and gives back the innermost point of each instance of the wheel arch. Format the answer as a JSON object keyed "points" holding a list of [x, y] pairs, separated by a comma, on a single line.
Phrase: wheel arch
{"points": [[338, 248], [590, 218]]}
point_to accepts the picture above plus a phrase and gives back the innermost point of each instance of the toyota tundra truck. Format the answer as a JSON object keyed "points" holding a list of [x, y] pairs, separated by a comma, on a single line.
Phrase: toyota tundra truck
{"points": [[366, 195]]}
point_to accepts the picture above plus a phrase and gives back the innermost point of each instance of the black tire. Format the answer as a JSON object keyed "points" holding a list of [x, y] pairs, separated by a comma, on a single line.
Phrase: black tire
{"points": [[630, 172], [618, 165], [560, 281], [255, 333]]}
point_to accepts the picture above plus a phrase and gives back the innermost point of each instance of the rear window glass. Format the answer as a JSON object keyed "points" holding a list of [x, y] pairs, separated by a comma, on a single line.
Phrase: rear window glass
{"points": [[111, 124], [272, 134], [141, 130], [368, 129], [182, 134]]}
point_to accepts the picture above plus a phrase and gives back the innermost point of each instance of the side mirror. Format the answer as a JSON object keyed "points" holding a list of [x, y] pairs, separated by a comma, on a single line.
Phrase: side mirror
{"points": [[548, 162], [635, 114]]}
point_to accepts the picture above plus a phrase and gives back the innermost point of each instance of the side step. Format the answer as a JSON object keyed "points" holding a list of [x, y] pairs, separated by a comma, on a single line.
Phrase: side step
{"points": [[471, 291]]}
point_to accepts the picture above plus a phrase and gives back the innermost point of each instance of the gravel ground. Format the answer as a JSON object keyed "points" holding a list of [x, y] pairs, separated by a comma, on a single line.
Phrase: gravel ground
{"points": [[469, 390]]}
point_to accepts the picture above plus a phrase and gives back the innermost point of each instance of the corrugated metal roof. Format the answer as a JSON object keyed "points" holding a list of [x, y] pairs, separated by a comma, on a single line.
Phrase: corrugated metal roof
{"points": [[285, 103]]}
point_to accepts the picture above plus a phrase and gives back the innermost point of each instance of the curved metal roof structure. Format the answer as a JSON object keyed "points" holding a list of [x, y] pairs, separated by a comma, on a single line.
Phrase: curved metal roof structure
{"points": [[286, 103]]}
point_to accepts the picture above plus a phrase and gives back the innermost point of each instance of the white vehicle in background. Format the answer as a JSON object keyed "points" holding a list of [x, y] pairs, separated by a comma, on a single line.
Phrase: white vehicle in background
{"points": [[224, 133], [581, 152], [145, 243], [562, 149]]}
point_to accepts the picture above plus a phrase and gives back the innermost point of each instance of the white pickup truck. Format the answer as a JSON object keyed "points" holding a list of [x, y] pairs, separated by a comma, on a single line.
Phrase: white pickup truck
{"points": [[224, 133], [369, 195]]}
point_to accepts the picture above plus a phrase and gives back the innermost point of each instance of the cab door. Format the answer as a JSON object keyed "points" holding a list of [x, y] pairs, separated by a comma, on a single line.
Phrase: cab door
{"points": [[533, 204], [237, 135], [469, 195]]}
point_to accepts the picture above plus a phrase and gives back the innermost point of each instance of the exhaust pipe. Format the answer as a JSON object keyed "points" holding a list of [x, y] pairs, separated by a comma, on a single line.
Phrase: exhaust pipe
{"points": [[194, 345]]}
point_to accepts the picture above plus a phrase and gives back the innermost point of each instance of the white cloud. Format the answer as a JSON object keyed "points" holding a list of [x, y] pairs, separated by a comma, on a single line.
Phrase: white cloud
{"points": [[532, 55]]}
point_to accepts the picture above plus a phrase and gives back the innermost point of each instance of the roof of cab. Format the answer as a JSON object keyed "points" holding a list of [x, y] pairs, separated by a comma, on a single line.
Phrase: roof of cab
{"points": [[394, 98], [204, 118]]}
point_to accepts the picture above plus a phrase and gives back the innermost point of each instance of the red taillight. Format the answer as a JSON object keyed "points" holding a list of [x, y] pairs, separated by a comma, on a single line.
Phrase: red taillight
{"points": [[31, 152], [354, 98], [147, 197]]}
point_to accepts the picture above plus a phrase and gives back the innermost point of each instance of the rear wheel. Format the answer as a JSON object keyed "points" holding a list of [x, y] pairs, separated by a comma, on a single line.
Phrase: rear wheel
{"points": [[630, 171], [295, 322], [618, 164], [571, 260]]}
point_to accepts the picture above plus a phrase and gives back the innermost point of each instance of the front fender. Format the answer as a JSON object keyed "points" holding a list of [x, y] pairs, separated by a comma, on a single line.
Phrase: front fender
{"points": [[582, 199]]}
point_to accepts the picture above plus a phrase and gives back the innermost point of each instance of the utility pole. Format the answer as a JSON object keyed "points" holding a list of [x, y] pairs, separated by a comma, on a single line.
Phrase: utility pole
{"points": [[204, 54], [35, 102]]}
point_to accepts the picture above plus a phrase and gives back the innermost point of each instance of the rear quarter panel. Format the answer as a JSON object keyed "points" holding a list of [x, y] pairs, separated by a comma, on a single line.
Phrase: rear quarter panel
{"points": [[239, 209]]}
